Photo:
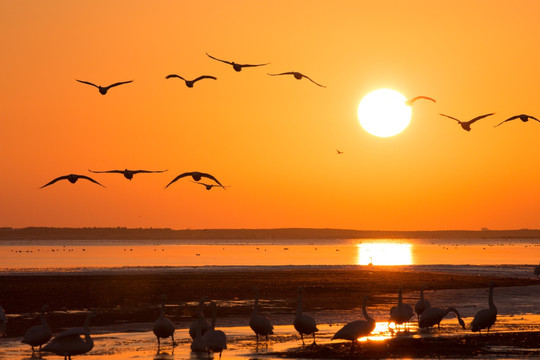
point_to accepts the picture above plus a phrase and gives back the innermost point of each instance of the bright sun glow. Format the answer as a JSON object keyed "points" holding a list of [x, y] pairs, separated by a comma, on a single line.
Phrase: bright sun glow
{"points": [[384, 254], [384, 113]]}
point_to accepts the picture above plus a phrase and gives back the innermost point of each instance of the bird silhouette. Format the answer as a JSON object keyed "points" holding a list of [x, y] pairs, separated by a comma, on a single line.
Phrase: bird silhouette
{"points": [[303, 323], [195, 176], [72, 178], [485, 318], [433, 316], [466, 125], [3, 322], [537, 271], [128, 174], [260, 324], [357, 329], [522, 117], [298, 76], [39, 334], [214, 340], [411, 101], [402, 313], [200, 322], [69, 342], [163, 327], [103, 89], [422, 304], [209, 186], [339, 152], [189, 83], [236, 67]]}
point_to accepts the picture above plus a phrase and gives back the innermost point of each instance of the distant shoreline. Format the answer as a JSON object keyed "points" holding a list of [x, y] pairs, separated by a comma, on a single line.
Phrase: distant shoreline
{"points": [[122, 233]]}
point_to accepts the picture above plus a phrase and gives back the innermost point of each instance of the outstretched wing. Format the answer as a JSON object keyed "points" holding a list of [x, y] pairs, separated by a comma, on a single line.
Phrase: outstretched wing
{"points": [[316, 83], [178, 177], [411, 101], [205, 77], [174, 76], [119, 83], [147, 171], [479, 117], [87, 83], [450, 117], [252, 65], [107, 171], [55, 180], [89, 179], [225, 61], [532, 117], [212, 178], [285, 73], [509, 119]]}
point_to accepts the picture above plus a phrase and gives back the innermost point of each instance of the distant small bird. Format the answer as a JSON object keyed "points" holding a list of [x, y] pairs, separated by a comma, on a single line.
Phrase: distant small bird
{"points": [[209, 186], [103, 89], [39, 334], [236, 67], [485, 318], [189, 83], [411, 101], [339, 152], [298, 76], [196, 176], [128, 174], [521, 117], [304, 323], [537, 271], [72, 178], [466, 125]]}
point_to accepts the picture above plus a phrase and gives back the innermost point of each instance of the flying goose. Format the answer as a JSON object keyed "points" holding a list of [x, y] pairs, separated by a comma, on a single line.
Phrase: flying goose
{"points": [[466, 125], [236, 67], [298, 76], [103, 89], [189, 83], [128, 174], [72, 178]]}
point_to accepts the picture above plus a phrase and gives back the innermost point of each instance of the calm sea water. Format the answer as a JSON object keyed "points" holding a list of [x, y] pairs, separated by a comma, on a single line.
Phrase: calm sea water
{"points": [[46, 255]]}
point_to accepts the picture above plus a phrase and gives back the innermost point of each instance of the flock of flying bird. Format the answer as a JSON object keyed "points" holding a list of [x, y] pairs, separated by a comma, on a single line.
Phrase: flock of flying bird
{"points": [[206, 338], [72, 178]]}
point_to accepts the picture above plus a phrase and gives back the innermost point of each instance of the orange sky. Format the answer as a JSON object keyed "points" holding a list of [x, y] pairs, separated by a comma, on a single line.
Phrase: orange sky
{"points": [[273, 140]]}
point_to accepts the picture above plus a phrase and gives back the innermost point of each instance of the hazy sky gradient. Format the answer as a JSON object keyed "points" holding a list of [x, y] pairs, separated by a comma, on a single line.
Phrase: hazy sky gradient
{"points": [[273, 140]]}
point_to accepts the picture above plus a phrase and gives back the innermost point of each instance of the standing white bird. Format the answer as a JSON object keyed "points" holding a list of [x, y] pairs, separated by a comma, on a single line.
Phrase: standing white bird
{"points": [[39, 334], [3, 322], [261, 325], [357, 329], [163, 327], [213, 339], [304, 323], [402, 313], [200, 322], [485, 318], [197, 344], [422, 304], [69, 342], [537, 271], [433, 316]]}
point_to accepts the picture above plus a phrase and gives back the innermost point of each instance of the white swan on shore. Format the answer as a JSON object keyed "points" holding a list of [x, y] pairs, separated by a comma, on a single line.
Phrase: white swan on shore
{"points": [[200, 322], [69, 342], [402, 313], [485, 318], [260, 324], [163, 327], [422, 304], [303, 323], [213, 339], [433, 316], [39, 334], [357, 329]]}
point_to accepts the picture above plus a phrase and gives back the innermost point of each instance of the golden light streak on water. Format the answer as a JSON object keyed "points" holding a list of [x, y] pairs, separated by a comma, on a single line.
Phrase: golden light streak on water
{"points": [[384, 254]]}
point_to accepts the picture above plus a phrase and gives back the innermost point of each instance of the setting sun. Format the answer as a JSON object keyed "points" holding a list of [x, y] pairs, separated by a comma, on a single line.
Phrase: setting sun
{"points": [[384, 254], [384, 113]]}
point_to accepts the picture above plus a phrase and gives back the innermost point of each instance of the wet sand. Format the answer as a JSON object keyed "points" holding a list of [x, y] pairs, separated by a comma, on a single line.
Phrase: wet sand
{"points": [[127, 303]]}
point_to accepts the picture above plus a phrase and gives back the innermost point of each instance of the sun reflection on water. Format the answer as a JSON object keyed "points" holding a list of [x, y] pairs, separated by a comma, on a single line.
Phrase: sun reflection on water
{"points": [[384, 254]]}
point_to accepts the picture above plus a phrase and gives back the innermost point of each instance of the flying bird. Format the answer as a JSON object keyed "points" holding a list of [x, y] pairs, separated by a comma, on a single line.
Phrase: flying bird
{"points": [[69, 342], [339, 152], [466, 125], [189, 83], [236, 67], [298, 76], [128, 174], [485, 318], [103, 89], [260, 324], [209, 186], [38, 335], [304, 323], [521, 117], [411, 101], [196, 176], [72, 178]]}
